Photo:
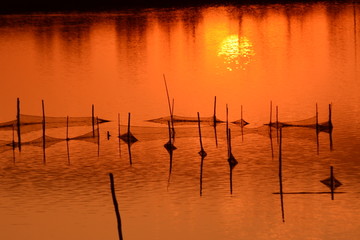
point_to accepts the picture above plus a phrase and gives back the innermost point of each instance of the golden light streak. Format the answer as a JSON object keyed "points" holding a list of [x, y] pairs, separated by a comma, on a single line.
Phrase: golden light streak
{"points": [[237, 52]]}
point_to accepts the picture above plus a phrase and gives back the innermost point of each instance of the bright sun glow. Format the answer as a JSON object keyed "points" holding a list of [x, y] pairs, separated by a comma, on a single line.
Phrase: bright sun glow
{"points": [[237, 52]]}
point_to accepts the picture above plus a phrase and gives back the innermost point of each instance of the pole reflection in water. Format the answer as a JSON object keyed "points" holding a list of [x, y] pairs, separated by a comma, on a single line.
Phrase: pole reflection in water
{"points": [[170, 147], [215, 123], [202, 154], [129, 138], [67, 139]]}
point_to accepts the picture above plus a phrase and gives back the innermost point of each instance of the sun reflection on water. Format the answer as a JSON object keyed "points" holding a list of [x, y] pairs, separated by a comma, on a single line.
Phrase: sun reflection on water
{"points": [[236, 52]]}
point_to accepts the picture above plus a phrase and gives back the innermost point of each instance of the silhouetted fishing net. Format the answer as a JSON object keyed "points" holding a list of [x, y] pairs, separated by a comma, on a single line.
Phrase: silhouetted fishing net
{"points": [[92, 137], [240, 122], [38, 142], [30, 123], [306, 123], [180, 120]]}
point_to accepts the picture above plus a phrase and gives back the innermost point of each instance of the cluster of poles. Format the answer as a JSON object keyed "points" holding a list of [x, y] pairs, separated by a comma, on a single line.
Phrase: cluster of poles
{"points": [[129, 138], [331, 182]]}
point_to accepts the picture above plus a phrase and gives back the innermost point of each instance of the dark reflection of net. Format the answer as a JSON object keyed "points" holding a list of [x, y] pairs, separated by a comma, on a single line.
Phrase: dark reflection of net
{"points": [[91, 137], [30, 123]]}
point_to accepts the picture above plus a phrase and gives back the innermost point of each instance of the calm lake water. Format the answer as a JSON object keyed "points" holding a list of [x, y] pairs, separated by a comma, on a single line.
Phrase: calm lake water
{"points": [[295, 56]]}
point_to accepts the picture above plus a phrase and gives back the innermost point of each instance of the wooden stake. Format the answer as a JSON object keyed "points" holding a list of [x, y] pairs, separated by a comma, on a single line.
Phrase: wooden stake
{"points": [[170, 109], [330, 120], [116, 206], [18, 124], [215, 111], [128, 139], [317, 130], [67, 128], [227, 129], [215, 123], [119, 134], [67, 139], [172, 120], [270, 132], [98, 135], [170, 147], [230, 163], [270, 114], [43, 128], [128, 133], [242, 124], [280, 177], [277, 123], [201, 146], [93, 119]]}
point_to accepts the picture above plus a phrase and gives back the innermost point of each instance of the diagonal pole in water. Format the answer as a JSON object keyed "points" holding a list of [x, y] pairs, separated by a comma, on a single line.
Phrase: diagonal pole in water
{"points": [[280, 176], [116, 206], [171, 108]]}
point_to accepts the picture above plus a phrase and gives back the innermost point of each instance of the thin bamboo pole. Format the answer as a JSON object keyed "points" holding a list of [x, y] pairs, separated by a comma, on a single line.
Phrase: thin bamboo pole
{"points": [[330, 127], [171, 109], [270, 114], [43, 128], [202, 152], [129, 139], [116, 206], [215, 123], [170, 148], [280, 176], [18, 124], [227, 129], [230, 162], [98, 135], [93, 118], [277, 124], [330, 116], [67, 139], [242, 124], [317, 130], [119, 135], [215, 111], [128, 133], [270, 132]]}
